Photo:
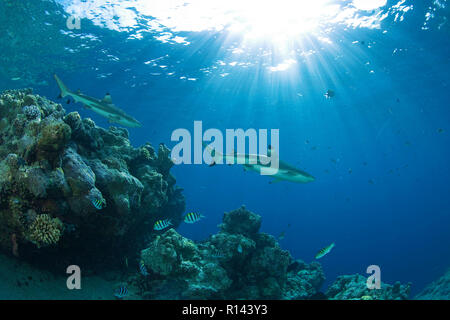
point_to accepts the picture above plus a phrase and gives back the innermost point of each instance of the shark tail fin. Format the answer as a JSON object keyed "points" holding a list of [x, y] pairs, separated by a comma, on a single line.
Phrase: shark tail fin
{"points": [[64, 90]]}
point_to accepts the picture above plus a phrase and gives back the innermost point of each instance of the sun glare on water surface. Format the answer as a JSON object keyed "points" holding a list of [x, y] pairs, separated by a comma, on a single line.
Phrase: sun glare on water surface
{"points": [[267, 19]]}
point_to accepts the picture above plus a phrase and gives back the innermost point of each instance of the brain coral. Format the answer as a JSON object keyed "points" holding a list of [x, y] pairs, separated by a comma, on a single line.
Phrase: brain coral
{"points": [[44, 230]]}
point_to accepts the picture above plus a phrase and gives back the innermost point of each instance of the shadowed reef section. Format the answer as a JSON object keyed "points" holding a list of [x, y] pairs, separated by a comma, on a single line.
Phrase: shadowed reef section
{"points": [[75, 193], [437, 290], [239, 262]]}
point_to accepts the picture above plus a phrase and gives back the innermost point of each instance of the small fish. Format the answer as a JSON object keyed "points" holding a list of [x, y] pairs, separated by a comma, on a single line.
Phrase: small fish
{"points": [[162, 224], [192, 217], [121, 292], [281, 236], [440, 130], [366, 298], [60, 170], [99, 203], [324, 251], [142, 268], [329, 94], [217, 254], [239, 248]]}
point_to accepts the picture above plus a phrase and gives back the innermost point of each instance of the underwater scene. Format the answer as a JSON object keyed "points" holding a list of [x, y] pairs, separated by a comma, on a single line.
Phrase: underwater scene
{"points": [[224, 150]]}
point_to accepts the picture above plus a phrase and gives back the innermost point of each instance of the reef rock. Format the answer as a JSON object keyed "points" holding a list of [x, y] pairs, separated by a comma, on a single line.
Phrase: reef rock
{"points": [[354, 287], [178, 259], [241, 221], [236, 263], [54, 167], [303, 280], [438, 290]]}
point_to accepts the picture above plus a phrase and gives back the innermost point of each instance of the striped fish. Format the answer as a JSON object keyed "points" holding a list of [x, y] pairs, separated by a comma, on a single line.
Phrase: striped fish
{"points": [[192, 217], [121, 292], [217, 254], [142, 268], [324, 251], [99, 203], [162, 224]]}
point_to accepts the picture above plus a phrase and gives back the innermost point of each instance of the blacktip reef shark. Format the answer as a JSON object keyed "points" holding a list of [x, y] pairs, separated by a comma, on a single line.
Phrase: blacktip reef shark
{"points": [[104, 107], [252, 162]]}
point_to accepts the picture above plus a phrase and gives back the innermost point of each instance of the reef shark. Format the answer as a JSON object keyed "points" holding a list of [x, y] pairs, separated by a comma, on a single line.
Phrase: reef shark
{"points": [[104, 107], [261, 164]]}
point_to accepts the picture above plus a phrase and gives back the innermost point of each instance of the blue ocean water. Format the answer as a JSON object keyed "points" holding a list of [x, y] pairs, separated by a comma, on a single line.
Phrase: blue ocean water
{"points": [[378, 148]]}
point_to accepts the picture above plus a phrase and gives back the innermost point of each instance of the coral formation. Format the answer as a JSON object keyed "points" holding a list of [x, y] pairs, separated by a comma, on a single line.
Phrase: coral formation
{"points": [[53, 166], [354, 287], [249, 265], [438, 290], [44, 230]]}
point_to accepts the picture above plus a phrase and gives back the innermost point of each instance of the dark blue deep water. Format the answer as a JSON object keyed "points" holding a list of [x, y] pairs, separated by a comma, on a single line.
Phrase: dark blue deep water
{"points": [[379, 148]]}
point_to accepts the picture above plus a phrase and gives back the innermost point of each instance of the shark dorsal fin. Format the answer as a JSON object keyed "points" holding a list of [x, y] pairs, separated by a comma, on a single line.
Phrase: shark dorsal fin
{"points": [[107, 98]]}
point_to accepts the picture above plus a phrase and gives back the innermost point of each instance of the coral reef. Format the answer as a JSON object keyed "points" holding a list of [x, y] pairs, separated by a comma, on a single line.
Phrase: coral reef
{"points": [[236, 263], [54, 166], [438, 290], [69, 188], [354, 287]]}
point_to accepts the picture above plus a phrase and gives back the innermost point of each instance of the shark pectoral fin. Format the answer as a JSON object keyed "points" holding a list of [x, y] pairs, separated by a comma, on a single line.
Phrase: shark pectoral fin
{"points": [[107, 99]]}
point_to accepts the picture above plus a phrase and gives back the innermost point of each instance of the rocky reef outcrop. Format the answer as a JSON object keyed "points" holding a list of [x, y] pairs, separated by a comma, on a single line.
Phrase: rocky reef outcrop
{"points": [[438, 290], [69, 188], [354, 287], [238, 262]]}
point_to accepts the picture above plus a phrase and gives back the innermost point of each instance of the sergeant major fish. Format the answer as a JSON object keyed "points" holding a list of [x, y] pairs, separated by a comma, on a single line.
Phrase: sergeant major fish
{"points": [[162, 224], [192, 217], [99, 203], [217, 254], [142, 268], [121, 292]]}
